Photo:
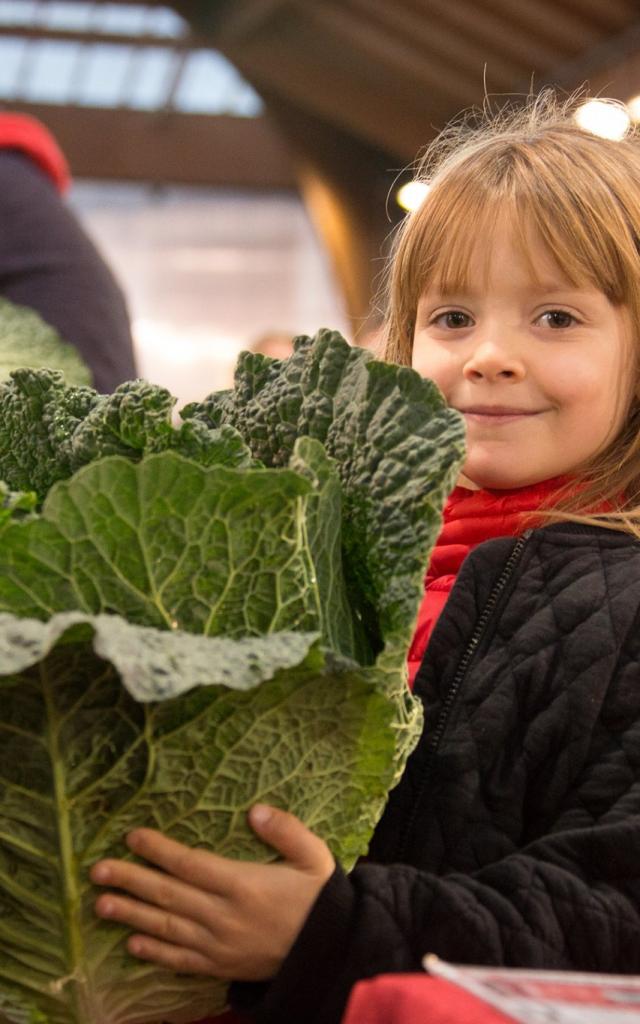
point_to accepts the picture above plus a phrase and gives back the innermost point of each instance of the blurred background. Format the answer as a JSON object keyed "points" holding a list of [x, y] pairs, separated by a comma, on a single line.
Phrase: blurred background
{"points": [[238, 163]]}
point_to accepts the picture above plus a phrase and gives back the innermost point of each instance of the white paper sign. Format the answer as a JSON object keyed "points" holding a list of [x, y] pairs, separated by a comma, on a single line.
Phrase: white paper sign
{"points": [[548, 997]]}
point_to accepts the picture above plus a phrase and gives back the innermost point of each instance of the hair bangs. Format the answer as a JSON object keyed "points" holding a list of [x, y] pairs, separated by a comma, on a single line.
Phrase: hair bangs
{"points": [[586, 256], [519, 188]]}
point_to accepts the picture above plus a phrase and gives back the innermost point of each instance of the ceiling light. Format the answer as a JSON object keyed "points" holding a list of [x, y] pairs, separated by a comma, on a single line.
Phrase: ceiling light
{"points": [[604, 118], [633, 106], [410, 196]]}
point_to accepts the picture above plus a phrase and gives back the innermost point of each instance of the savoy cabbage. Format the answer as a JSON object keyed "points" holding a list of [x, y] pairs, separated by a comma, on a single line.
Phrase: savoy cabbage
{"points": [[194, 618]]}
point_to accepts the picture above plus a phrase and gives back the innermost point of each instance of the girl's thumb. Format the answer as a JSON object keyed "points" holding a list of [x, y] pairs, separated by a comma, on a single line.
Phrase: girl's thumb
{"points": [[286, 834]]}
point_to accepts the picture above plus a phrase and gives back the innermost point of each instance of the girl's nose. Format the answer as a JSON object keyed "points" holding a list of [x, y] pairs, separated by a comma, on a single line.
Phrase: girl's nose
{"points": [[491, 360]]}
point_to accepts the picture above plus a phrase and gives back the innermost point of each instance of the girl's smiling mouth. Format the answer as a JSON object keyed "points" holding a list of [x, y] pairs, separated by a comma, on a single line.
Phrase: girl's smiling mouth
{"points": [[497, 414]]}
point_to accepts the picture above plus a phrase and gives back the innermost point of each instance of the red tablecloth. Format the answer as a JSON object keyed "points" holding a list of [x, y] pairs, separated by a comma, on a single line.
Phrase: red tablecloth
{"points": [[416, 999], [406, 999]]}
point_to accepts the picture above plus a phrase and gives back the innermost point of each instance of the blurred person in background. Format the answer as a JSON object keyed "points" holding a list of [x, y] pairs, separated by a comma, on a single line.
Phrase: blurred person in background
{"points": [[276, 344], [48, 262]]}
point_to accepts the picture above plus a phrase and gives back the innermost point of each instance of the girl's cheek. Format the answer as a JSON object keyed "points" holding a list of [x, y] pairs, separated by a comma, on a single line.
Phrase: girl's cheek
{"points": [[427, 364]]}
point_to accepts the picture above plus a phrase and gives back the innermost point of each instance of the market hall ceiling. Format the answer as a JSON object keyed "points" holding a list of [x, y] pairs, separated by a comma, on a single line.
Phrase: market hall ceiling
{"points": [[345, 93], [386, 73], [358, 87], [391, 72]]}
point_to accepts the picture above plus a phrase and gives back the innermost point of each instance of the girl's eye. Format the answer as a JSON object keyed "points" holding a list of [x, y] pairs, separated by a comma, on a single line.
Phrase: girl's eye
{"points": [[452, 319], [557, 319]]}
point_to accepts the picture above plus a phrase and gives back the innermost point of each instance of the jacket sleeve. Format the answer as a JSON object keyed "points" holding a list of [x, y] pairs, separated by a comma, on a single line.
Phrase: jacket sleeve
{"points": [[570, 902]]}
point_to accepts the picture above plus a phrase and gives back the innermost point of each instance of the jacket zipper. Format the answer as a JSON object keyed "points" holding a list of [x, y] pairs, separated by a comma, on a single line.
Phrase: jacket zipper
{"points": [[458, 679]]}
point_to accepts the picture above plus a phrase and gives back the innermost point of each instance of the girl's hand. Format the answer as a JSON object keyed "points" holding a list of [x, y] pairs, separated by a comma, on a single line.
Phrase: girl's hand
{"points": [[204, 914]]}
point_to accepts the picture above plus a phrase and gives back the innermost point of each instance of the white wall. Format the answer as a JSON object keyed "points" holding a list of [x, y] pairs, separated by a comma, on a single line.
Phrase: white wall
{"points": [[206, 272]]}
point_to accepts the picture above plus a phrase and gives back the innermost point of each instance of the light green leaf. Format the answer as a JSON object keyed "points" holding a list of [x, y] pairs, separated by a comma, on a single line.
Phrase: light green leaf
{"points": [[152, 664], [341, 628], [167, 543], [27, 340], [82, 762]]}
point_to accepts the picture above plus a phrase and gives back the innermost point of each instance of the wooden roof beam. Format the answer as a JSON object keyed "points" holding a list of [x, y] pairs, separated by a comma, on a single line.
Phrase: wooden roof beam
{"points": [[434, 35], [35, 34], [344, 28], [598, 63], [168, 148], [245, 18], [546, 21], [487, 28], [606, 14], [393, 115]]}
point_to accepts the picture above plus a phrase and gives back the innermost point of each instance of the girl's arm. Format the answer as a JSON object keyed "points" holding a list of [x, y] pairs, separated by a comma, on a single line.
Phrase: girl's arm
{"points": [[567, 902]]}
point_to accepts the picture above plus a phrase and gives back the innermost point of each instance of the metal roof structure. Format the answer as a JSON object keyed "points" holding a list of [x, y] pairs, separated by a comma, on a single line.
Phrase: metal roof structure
{"points": [[359, 87]]}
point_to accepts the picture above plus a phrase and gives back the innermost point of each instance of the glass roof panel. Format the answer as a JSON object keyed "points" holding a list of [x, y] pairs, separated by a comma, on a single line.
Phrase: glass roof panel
{"points": [[149, 87], [131, 19], [108, 74], [73, 17], [166, 22], [104, 71], [49, 67], [18, 12], [12, 51], [210, 84]]}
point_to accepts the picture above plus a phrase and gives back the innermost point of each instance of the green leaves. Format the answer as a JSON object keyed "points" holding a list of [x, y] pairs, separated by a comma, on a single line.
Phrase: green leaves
{"points": [[27, 340], [167, 543], [82, 762], [199, 617], [397, 448], [49, 430]]}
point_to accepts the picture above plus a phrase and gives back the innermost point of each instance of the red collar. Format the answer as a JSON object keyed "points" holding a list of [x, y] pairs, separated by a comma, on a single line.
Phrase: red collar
{"points": [[471, 517]]}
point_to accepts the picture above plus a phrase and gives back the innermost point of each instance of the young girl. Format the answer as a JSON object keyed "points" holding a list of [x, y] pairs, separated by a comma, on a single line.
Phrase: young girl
{"points": [[514, 835]]}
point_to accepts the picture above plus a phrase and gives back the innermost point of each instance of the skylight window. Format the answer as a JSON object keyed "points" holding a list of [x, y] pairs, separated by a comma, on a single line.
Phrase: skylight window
{"points": [[19, 12], [12, 51], [149, 88], [51, 68], [154, 73], [75, 17], [128, 19], [210, 84]]}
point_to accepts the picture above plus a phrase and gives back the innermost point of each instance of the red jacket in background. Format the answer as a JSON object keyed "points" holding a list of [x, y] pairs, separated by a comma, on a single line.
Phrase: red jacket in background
{"points": [[19, 131]]}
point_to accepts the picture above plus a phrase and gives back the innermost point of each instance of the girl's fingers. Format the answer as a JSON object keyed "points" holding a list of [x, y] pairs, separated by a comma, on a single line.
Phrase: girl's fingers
{"points": [[200, 868], [286, 833], [169, 928], [154, 887], [174, 958]]}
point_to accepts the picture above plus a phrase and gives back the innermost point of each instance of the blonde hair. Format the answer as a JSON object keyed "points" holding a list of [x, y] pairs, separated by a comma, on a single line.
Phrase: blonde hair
{"points": [[580, 195]]}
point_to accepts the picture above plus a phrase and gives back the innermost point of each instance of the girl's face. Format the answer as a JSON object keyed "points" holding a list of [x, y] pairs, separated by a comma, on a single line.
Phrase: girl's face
{"points": [[535, 366]]}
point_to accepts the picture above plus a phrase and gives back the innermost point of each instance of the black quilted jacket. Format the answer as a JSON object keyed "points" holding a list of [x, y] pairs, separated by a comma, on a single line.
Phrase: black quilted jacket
{"points": [[514, 835]]}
